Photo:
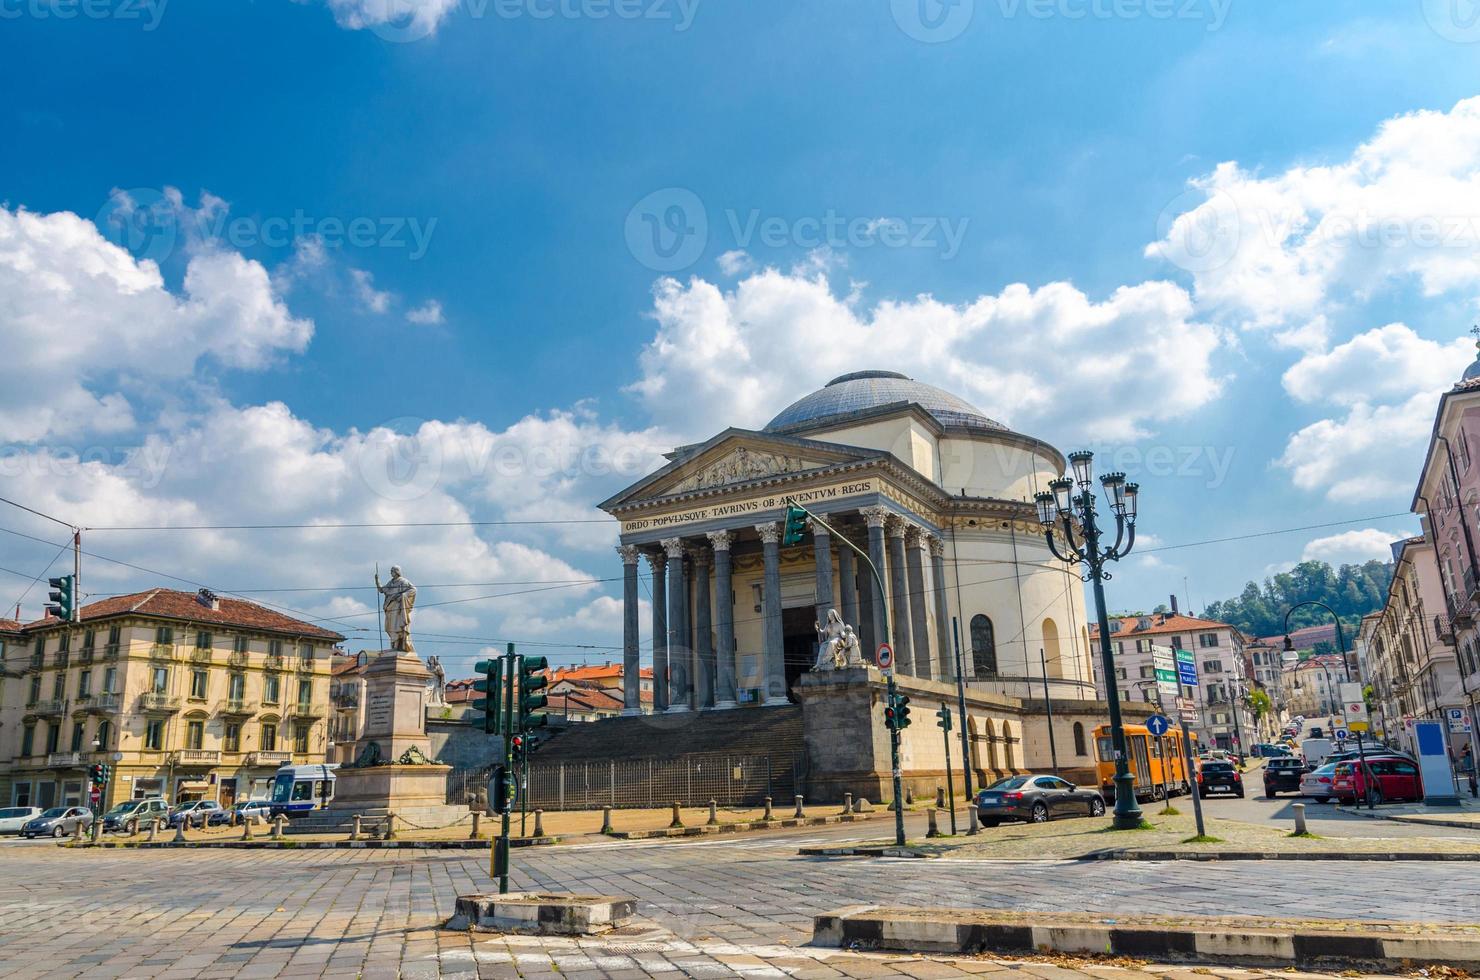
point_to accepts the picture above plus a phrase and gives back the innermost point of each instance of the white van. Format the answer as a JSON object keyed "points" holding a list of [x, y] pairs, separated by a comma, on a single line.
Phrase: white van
{"points": [[1315, 751]]}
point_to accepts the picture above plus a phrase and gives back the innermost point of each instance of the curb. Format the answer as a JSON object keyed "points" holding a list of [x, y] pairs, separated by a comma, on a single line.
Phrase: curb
{"points": [[735, 828], [889, 851], [1407, 818], [1279, 856], [327, 845], [1209, 940]]}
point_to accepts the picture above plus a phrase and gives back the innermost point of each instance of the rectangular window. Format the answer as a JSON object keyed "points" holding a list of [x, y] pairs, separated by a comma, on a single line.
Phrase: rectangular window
{"points": [[88, 638], [269, 737], [40, 647], [114, 634], [305, 652], [84, 684], [154, 734], [164, 634], [300, 738], [202, 640], [53, 736], [271, 688], [1147, 670], [77, 736], [1212, 666], [198, 682], [239, 644], [1207, 639], [110, 678], [59, 685], [28, 739], [64, 643], [237, 687], [105, 734], [195, 735], [305, 692], [233, 737], [159, 680], [274, 648], [35, 694], [1143, 646]]}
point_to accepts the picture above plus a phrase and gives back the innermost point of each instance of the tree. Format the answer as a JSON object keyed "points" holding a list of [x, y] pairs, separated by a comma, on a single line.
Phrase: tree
{"points": [[1352, 591], [1260, 704]]}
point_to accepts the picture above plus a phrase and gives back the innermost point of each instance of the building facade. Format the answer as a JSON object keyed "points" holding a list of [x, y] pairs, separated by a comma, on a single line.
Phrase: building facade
{"points": [[185, 696], [935, 493]]}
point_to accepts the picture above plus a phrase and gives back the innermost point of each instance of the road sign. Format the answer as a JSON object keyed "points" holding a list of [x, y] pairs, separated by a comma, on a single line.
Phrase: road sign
{"points": [[885, 657], [1341, 734], [96, 794], [1158, 725], [1459, 721], [1187, 710], [1186, 668]]}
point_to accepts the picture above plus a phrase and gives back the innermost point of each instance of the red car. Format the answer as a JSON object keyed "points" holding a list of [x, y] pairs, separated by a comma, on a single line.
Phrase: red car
{"points": [[1387, 777]]}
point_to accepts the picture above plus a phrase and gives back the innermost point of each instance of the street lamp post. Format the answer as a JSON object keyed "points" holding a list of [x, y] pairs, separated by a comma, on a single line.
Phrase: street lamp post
{"points": [[1070, 502], [1346, 670]]}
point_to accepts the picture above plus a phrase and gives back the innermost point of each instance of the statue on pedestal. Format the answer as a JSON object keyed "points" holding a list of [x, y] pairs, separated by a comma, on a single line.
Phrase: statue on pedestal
{"points": [[439, 681], [400, 599], [837, 644]]}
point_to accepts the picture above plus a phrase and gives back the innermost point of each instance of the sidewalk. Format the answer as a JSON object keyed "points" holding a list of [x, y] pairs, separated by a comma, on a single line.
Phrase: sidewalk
{"points": [[1466, 815]]}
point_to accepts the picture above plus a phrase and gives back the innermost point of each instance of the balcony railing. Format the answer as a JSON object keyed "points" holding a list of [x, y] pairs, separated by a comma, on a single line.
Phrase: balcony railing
{"points": [[1471, 584], [49, 707], [85, 655], [110, 652], [305, 709], [347, 701], [104, 704], [63, 759], [63, 658], [274, 661], [268, 758], [237, 658], [236, 706], [1444, 630], [37, 662], [200, 655], [197, 757], [161, 651], [154, 701]]}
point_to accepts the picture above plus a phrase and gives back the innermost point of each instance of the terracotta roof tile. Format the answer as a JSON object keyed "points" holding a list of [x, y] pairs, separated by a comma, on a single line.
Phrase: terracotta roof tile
{"points": [[1160, 623], [9, 626], [186, 607]]}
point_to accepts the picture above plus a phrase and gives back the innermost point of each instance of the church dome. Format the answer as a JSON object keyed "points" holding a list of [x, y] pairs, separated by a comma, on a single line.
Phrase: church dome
{"points": [[864, 390], [1472, 372]]}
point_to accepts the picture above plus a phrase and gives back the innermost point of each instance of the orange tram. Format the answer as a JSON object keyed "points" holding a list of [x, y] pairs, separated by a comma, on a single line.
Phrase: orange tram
{"points": [[1158, 765]]}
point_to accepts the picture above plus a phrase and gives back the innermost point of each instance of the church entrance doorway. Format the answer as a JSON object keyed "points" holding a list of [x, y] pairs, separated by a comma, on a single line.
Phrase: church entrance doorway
{"points": [[799, 650]]}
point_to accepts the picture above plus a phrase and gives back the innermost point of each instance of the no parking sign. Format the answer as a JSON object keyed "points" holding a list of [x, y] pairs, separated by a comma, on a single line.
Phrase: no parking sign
{"points": [[885, 658]]}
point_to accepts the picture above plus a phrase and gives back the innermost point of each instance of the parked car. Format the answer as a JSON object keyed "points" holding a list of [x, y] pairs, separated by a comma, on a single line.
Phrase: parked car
{"points": [[1217, 776], [193, 813], [1036, 799], [1316, 784], [1282, 775], [59, 821], [240, 811], [117, 819], [13, 818], [1385, 777]]}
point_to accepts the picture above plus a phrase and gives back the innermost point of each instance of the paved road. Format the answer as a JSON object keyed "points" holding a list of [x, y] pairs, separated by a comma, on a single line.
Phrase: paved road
{"points": [[1324, 818], [723, 907]]}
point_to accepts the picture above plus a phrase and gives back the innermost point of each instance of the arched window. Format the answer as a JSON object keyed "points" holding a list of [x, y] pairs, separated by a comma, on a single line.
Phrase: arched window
{"points": [[983, 647], [1079, 747], [1053, 657]]}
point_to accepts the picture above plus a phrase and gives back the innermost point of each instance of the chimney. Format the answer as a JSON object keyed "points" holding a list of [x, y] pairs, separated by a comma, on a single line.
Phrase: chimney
{"points": [[1174, 604]]}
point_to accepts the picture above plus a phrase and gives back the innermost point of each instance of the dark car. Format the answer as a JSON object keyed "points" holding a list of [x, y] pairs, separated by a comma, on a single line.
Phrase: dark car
{"points": [[1036, 799], [1282, 775], [246, 809], [1219, 777], [193, 813]]}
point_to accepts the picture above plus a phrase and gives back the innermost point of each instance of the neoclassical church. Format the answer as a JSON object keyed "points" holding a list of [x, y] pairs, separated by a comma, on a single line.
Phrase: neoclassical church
{"points": [[935, 492]]}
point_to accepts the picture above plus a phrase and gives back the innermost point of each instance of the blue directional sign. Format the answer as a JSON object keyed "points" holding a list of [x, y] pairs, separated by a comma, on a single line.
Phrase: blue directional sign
{"points": [[1186, 668], [1158, 725]]}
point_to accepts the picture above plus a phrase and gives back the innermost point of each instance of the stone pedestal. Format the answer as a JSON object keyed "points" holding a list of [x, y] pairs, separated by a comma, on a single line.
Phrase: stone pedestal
{"points": [[395, 705]]}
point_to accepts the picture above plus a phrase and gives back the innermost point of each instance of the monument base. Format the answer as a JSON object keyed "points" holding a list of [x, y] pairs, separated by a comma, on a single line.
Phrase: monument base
{"points": [[415, 794]]}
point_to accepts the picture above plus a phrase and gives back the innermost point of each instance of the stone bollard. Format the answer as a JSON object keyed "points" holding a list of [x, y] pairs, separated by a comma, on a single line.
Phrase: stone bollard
{"points": [[390, 827], [606, 820], [940, 797], [246, 827], [768, 815], [153, 828], [909, 796], [799, 814], [133, 826], [477, 818], [354, 827], [847, 803], [77, 832], [1300, 819], [713, 814], [677, 822], [179, 837], [934, 826], [539, 823], [277, 826]]}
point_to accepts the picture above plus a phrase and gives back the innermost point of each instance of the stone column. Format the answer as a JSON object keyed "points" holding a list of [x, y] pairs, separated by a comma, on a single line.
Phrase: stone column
{"points": [[659, 564], [822, 553], [848, 590], [686, 628], [678, 653], [946, 650], [724, 624], [703, 635], [631, 662], [875, 517], [919, 621], [904, 658], [775, 643]]}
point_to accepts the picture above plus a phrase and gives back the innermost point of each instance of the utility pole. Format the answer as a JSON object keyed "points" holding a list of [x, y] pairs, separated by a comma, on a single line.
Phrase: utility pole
{"points": [[944, 714], [972, 827], [1053, 746]]}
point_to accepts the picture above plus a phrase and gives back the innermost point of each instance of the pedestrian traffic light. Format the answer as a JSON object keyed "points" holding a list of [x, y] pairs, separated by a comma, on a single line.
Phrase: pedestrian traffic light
{"points": [[944, 714], [531, 681], [63, 596], [489, 685], [501, 789], [902, 711], [795, 526]]}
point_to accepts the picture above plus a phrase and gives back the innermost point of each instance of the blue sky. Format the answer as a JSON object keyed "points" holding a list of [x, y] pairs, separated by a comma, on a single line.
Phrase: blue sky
{"points": [[1043, 165]]}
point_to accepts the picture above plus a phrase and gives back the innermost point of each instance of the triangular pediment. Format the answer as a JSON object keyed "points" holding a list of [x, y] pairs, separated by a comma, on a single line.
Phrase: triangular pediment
{"points": [[737, 457]]}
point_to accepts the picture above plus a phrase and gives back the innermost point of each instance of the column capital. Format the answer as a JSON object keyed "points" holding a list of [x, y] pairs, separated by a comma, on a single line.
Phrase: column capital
{"points": [[914, 536], [673, 547], [896, 526], [770, 532], [720, 540], [629, 553], [656, 560], [875, 515], [936, 545], [702, 557], [816, 527]]}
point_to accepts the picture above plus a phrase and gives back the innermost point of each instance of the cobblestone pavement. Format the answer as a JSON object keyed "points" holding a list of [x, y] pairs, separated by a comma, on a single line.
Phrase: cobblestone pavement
{"points": [[713, 908]]}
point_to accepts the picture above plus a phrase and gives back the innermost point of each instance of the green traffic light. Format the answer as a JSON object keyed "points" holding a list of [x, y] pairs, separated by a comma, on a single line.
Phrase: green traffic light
{"points": [[531, 681], [794, 527]]}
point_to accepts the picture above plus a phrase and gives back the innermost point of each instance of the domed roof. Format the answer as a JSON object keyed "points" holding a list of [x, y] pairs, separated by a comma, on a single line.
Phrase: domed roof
{"points": [[863, 390], [1472, 372]]}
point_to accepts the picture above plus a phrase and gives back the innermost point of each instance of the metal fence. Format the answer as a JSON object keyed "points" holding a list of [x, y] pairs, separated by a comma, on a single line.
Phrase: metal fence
{"points": [[692, 780]]}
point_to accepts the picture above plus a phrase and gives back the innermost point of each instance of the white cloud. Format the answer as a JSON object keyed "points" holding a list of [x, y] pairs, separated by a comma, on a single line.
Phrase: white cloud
{"points": [[1371, 453], [738, 357], [735, 262], [1351, 547], [371, 300], [1278, 250], [1383, 363], [417, 18], [83, 319], [428, 314]]}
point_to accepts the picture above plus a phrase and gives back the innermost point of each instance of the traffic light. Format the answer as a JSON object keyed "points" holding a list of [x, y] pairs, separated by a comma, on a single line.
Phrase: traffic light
{"points": [[95, 774], [63, 598], [489, 685], [944, 716], [531, 681], [501, 790], [901, 711], [516, 750], [795, 526]]}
